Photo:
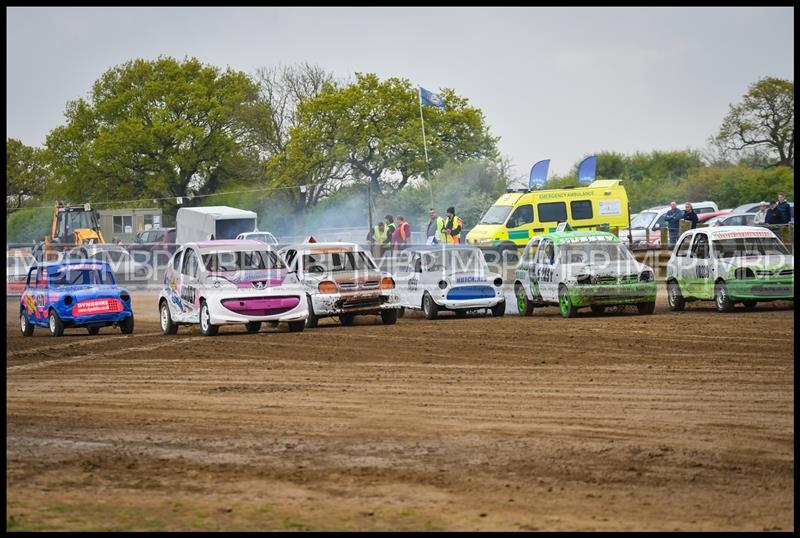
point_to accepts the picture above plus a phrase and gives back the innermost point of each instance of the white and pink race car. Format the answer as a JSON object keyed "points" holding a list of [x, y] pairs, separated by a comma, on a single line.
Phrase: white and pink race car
{"points": [[213, 283]]}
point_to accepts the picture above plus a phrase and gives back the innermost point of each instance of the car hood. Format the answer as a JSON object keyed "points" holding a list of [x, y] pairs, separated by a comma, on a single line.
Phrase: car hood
{"points": [[247, 279], [774, 263], [81, 292], [618, 268]]}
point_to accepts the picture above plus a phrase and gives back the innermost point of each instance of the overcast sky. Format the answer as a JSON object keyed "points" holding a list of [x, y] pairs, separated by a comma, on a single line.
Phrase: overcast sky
{"points": [[556, 83]]}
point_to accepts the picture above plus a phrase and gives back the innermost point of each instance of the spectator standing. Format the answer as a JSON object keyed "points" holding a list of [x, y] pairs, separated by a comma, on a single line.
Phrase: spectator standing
{"points": [[402, 235], [434, 233], [673, 217], [690, 215], [784, 210], [773, 215], [452, 226], [761, 215]]}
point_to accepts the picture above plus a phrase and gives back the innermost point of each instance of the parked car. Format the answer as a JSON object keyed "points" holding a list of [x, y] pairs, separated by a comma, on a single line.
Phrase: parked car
{"points": [[158, 244], [17, 264], [730, 219], [575, 269], [66, 294], [448, 277], [645, 230], [263, 237], [704, 217], [342, 279], [753, 208], [746, 264], [213, 283], [122, 263]]}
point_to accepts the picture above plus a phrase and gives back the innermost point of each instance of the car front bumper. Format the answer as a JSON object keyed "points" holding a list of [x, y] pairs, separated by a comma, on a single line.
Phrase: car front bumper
{"points": [[761, 289], [256, 305], [612, 294], [360, 302]]}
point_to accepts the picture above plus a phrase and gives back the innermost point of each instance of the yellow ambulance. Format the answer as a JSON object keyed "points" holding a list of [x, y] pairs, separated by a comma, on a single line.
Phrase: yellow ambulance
{"points": [[519, 215]]}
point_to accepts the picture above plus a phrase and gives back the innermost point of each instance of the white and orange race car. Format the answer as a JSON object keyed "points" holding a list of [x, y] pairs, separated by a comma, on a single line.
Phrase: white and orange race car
{"points": [[342, 279]]}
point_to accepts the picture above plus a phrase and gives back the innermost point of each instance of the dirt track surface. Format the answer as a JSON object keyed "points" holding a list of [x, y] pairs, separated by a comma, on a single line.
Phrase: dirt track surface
{"points": [[671, 421]]}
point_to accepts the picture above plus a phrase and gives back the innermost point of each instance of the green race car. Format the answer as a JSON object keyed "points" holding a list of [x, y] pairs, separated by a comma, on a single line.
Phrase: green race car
{"points": [[746, 264], [574, 270]]}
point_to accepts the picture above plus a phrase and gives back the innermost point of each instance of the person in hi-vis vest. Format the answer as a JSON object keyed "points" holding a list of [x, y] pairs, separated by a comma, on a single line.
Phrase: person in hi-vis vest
{"points": [[452, 227], [435, 233]]}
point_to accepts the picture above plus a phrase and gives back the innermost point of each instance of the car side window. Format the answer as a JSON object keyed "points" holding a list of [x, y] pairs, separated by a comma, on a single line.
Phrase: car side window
{"points": [[290, 258], [683, 248], [41, 278], [176, 261], [547, 253], [700, 246], [521, 216], [190, 263]]}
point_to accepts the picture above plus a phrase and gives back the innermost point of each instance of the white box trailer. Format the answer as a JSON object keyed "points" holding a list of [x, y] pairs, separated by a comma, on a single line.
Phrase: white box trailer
{"points": [[212, 222]]}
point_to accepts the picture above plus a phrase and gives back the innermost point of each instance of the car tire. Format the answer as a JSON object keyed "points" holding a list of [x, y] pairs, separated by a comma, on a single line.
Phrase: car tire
{"points": [[499, 310], [750, 305], [389, 316], [429, 307], [646, 308], [598, 308], [252, 326], [674, 296], [93, 331], [297, 326], [55, 324], [167, 326], [206, 327], [524, 305], [312, 320], [347, 319], [126, 325], [565, 305], [24, 324], [721, 297]]}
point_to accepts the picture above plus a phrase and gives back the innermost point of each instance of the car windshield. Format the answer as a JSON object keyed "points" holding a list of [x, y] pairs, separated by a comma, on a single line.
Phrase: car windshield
{"points": [[241, 260], [497, 214], [324, 262], [79, 276], [595, 253], [749, 246], [642, 220], [267, 238], [456, 260]]}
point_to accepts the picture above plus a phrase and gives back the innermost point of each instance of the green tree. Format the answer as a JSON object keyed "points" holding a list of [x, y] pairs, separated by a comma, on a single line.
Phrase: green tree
{"points": [[763, 122], [161, 128], [374, 127], [27, 174]]}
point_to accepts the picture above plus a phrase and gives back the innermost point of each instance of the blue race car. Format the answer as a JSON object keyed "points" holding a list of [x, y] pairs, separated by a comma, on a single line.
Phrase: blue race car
{"points": [[75, 293]]}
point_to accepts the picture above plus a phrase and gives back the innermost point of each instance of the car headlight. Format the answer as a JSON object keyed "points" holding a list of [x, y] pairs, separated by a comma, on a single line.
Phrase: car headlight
{"points": [[328, 286], [442, 284], [646, 276], [498, 282]]}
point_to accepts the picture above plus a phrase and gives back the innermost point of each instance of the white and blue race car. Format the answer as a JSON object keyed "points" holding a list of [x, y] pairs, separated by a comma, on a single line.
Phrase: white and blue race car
{"points": [[448, 277]]}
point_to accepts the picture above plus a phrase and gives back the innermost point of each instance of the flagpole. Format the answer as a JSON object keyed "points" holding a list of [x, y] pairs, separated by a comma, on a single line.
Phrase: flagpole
{"points": [[425, 143]]}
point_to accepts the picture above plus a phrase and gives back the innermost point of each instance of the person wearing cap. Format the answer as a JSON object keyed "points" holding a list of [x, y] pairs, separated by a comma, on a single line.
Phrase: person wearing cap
{"points": [[761, 214], [452, 227]]}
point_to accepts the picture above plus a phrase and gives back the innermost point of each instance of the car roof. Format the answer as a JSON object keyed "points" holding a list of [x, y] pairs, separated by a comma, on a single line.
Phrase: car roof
{"points": [[71, 262], [756, 230], [561, 237], [441, 247], [329, 244], [218, 244]]}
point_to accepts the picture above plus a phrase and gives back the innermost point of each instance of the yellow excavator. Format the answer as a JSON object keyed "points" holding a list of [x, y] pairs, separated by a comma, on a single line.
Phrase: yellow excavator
{"points": [[72, 226]]}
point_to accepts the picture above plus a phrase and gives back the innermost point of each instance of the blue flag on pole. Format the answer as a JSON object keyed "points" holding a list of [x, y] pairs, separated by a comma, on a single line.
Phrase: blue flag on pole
{"points": [[430, 98], [538, 174], [587, 169]]}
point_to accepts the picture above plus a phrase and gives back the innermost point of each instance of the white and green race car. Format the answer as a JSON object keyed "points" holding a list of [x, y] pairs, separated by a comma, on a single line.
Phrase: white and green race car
{"points": [[731, 264], [581, 269]]}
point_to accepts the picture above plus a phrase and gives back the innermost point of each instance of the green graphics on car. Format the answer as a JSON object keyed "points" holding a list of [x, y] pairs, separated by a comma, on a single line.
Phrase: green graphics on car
{"points": [[575, 269], [746, 264]]}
